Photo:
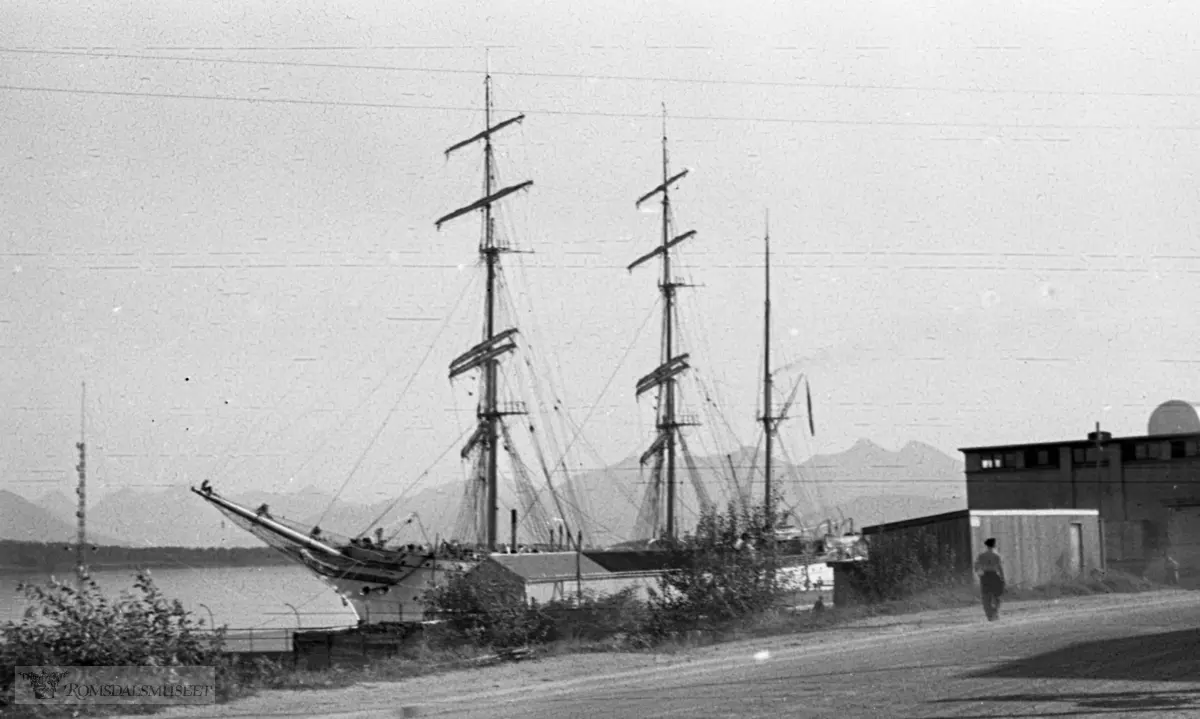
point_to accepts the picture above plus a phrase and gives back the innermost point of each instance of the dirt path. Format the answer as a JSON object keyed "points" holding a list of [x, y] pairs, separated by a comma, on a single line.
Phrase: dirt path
{"points": [[1116, 654]]}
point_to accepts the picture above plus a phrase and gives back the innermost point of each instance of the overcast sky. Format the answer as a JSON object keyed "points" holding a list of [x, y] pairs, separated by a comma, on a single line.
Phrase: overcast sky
{"points": [[985, 219]]}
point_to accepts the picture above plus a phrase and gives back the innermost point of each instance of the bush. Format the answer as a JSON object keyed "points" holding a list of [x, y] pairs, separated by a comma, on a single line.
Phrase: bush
{"points": [[73, 626], [716, 580], [485, 612], [621, 616], [902, 564]]}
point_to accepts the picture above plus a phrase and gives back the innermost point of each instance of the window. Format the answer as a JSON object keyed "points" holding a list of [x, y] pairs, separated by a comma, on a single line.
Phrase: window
{"points": [[1177, 449], [1142, 451], [1010, 460], [1078, 456], [1190, 448], [1041, 457], [991, 461]]}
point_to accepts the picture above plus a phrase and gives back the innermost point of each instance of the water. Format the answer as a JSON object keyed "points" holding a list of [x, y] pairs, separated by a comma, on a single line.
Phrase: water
{"points": [[238, 597]]}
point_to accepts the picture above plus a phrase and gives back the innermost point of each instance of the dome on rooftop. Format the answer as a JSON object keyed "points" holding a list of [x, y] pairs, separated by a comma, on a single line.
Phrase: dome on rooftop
{"points": [[1174, 417]]}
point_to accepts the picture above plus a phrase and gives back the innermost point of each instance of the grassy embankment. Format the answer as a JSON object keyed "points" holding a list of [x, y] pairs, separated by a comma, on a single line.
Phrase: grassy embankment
{"points": [[718, 596]]}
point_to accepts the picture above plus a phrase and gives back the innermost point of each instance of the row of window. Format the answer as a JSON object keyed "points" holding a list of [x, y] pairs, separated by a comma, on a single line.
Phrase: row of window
{"points": [[1014, 460], [1049, 458]]}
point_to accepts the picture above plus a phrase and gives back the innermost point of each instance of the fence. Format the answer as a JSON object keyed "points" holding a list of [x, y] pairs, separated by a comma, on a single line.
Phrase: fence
{"points": [[258, 640]]}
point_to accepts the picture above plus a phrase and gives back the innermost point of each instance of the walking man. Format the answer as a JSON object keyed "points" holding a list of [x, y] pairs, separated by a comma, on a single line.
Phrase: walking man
{"points": [[991, 579]]}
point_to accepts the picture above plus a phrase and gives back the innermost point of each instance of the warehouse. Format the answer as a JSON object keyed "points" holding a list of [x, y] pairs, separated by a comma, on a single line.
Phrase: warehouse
{"points": [[1145, 488]]}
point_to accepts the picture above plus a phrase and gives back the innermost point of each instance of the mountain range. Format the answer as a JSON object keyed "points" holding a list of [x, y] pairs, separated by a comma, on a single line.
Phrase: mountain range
{"points": [[23, 520], [866, 484]]}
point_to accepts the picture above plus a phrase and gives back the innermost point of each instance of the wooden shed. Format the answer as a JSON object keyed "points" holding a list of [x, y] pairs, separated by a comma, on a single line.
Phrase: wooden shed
{"points": [[1038, 545]]}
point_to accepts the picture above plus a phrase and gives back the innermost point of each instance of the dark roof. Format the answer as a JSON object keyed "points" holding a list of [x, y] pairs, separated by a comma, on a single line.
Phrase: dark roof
{"points": [[916, 521], [631, 560], [547, 564], [1072, 443]]}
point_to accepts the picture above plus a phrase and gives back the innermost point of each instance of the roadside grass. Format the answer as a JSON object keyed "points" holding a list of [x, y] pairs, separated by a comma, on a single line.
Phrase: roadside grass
{"points": [[435, 654], [719, 590], [427, 657]]}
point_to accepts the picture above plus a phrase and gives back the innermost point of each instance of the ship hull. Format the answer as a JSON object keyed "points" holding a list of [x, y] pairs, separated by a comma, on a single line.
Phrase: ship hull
{"points": [[382, 592], [381, 586]]}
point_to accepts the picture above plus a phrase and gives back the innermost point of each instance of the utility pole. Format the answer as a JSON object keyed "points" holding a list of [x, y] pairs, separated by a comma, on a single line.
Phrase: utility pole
{"points": [[768, 421], [1099, 476], [81, 491]]}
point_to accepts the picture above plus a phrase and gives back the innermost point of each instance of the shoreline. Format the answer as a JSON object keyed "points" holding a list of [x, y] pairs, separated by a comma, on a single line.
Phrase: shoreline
{"points": [[23, 557]]}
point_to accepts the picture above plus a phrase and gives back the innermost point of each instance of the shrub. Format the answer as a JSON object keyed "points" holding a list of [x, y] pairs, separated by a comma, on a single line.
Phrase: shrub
{"points": [[902, 564], [715, 580], [82, 627], [486, 612], [593, 618], [73, 626]]}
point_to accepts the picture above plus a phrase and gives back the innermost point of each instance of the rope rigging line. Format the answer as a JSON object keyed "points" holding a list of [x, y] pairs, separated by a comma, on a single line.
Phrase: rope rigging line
{"points": [[646, 526], [578, 515], [366, 398], [609, 381], [225, 457], [705, 501], [415, 482], [411, 378], [600, 463], [712, 412], [547, 411], [291, 386], [541, 457], [812, 493]]}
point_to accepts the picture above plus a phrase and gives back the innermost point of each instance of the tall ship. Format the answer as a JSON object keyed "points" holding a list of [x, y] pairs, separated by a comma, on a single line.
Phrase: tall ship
{"points": [[384, 581]]}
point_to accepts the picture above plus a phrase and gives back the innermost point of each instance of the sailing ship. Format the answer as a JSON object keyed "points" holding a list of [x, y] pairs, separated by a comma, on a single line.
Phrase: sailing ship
{"points": [[386, 584]]}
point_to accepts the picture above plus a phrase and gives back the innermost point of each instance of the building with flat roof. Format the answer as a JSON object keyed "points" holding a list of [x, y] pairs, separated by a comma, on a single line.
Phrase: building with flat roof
{"points": [[1146, 488]]}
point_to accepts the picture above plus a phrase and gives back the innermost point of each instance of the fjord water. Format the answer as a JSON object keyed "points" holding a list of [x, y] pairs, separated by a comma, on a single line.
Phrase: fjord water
{"points": [[239, 597]]}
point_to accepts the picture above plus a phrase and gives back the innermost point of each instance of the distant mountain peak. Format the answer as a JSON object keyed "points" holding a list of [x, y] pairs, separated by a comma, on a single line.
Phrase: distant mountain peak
{"points": [[864, 443], [22, 520], [866, 448], [923, 453]]}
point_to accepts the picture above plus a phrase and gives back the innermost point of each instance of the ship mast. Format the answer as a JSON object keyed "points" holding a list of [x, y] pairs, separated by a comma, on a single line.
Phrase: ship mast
{"points": [[771, 419], [671, 365], [486, 355]]}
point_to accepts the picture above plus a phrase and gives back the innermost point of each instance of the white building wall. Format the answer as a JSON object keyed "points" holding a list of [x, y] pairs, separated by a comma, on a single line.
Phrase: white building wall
{"points": [[597, 585]]}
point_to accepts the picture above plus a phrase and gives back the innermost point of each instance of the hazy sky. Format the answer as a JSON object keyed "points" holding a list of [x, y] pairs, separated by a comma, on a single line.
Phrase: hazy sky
{"points": [[985, 217]]}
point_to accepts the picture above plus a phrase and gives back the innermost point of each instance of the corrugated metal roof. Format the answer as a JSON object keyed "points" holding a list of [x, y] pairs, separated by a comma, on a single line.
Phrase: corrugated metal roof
{"points": [[547, 564], [626, 560]]}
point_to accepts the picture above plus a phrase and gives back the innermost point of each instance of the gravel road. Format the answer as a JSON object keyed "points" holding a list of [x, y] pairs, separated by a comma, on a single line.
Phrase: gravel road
{"points": [[1115, 655]]}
